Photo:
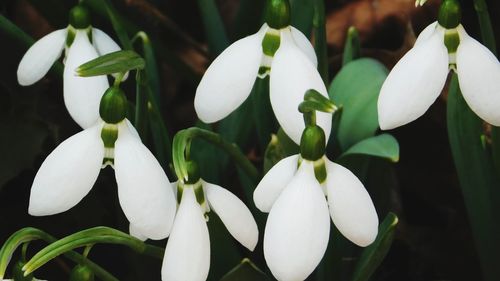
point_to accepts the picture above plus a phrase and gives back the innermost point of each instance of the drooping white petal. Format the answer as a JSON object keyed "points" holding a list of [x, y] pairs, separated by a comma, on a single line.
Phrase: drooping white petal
{"points": [[229, 79], [103, 43], [426, 33], [234, 214], [187, 256], [414, 83], [305, 45], [68, 173], [292, 74], [350, 205], [144, 190], [276, 179], [133, 231], [82, 94], [40, 57], [479, 78], [297, 228]]}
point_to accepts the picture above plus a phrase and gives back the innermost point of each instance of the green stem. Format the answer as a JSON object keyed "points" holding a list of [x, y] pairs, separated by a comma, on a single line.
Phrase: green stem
{"points": [[140, 122], [319, 25], [25, 235], [184, 137]]}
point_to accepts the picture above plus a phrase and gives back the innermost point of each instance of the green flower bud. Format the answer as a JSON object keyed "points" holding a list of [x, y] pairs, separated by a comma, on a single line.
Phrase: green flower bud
{"points": [[450, 14], [113, 107], [18, 273], [79, 17], [277, 14], [81, 273], [312, 143]]}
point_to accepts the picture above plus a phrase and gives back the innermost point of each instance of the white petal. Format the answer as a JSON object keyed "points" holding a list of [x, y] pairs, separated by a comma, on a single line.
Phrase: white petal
{"points": [[40, 57], [234, 214], [229, 79], [271, 185], [292, 74], [426, 33], [103, 43], [187, 256], [351, 207], [305, 45], [68, 173], [136, 233], [298, 227], [144, 190], [82, 94], [479, 78], [414, 83]]}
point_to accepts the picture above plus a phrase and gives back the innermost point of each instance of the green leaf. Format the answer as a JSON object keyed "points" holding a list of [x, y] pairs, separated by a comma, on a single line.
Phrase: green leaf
{"points": [[29, 234], [374, 254], [214, 28], [356, 88], [116, 62], [352, 47], [384, 146], [302, 15], [477, 179], [263, 115], [118, 24], [245, 271], [320, 45], [248, 19], [87, 237]]}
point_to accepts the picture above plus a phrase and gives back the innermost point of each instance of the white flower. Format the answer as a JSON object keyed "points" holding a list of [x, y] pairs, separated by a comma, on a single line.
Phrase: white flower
{"points": [[418, 78], [420, 2], [187, 256], [70, 171], [298, 226], [228, 81], [81, 94]]}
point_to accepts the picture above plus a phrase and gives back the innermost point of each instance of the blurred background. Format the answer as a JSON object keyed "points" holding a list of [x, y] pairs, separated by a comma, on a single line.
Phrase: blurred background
{"points": [[433, 240]]}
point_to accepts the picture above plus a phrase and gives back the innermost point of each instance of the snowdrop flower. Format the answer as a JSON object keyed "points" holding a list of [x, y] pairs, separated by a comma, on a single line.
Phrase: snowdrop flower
{"points": [[70, 171], [278, 50], [298, 226], [420, 2], [187, 256], [417, 79], [81, 43]]}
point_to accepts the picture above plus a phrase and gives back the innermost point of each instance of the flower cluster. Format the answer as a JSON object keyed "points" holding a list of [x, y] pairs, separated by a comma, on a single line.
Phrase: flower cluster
{"points": [[417, 79]]}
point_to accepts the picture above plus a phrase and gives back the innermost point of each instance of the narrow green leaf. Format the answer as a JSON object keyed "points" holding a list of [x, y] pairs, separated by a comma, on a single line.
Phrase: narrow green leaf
{"points": [[116, 62], [356, 88], [245, 271], [477, 178], [141, 101], [263, 115], [87, 237], [383, 146], [214, 28], [30, 234], [320, 45], [352, 47], [302, 15], [118, 24], [374, 254]]}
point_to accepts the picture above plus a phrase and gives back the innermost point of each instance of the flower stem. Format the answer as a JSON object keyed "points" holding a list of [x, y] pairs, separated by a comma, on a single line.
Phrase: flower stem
{"points": [[183, 138], [319, 25]]}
